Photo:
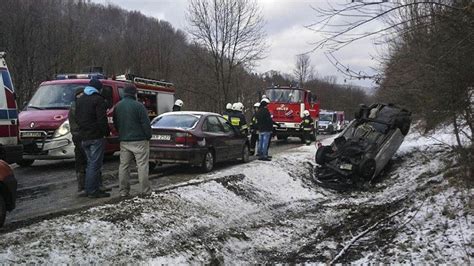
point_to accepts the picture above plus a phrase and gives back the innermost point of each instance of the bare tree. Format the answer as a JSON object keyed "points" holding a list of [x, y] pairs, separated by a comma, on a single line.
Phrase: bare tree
{"points": [[232, 31], [303, 71]]}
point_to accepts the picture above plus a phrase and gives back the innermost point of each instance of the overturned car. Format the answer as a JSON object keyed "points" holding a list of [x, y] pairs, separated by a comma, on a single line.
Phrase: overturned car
{"points": [[364, 148]]}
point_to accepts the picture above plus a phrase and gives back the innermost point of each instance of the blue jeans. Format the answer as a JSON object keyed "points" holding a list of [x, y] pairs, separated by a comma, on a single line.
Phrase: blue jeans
{"points": [[94, 150], [263, 139]]}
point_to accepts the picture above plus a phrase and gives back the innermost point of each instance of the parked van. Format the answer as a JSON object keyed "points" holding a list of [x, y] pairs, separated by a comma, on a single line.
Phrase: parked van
{"points": [[10, 150], [44, 125]]}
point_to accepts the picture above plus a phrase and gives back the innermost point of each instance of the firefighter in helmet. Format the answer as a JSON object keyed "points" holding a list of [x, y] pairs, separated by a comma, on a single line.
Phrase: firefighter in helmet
{"points": [[253, 129], [307, 125], [228, 111], [237, 118], [178, 105]]}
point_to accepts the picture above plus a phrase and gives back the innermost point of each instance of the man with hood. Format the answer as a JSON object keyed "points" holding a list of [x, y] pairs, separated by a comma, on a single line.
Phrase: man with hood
{"points": [[134, 129], [91, 116]]}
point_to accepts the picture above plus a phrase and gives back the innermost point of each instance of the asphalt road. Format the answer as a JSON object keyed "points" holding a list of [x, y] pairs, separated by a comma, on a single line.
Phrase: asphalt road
{"points": [[49, 187]]}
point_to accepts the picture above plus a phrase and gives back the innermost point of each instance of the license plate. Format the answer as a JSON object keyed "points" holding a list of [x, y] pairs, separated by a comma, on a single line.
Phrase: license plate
{"points": [[161, 137], [31, 134], [346, 166]]}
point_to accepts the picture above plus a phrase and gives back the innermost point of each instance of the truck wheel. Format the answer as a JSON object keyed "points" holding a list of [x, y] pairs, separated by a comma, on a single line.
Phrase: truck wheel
{"points": [[367, 168], [321, 153], [208, 162], [25, 162], [3, 210]]}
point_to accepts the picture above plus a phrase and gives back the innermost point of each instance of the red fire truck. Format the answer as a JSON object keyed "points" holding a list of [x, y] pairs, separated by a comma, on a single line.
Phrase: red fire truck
{"points": [[44, 125], [10, 150], [287, 105]]}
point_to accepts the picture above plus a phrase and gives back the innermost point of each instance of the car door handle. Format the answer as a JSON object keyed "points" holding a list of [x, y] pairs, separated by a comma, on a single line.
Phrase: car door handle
{"points": [[13, 121]]}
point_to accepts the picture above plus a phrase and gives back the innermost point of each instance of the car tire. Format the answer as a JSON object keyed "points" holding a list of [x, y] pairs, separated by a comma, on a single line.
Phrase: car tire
{"points": [[151, 166], [208, 162], [321, 153], [3, 210], [25, 162], [245, 158], [367, 169]]}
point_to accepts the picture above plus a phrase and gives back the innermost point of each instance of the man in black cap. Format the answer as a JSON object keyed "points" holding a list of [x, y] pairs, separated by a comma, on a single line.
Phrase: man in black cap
{"points": [[134, 129], [91, 116]]}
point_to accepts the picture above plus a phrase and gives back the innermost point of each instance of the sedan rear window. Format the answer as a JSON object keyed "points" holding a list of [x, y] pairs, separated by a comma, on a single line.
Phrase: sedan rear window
{"points": [[180, 121]]}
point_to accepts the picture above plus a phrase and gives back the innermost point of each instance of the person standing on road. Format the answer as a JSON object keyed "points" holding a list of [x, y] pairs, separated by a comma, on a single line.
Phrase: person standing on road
{"points": [[253, 129], [178, 104], [265, 129], [228, 111], [307, 125], [134, 129], [91, 117], [237, 118], [79, 154]]}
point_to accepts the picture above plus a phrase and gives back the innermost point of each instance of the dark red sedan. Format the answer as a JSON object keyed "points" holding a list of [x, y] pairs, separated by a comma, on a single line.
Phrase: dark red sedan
{"points": [[196, 138]]}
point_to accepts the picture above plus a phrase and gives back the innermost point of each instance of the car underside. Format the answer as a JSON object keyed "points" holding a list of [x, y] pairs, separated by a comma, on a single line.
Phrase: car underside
{"points": [[363, 149]]}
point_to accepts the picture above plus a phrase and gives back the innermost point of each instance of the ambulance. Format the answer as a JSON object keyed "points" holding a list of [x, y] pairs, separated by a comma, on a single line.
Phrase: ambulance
{"points": [[10, 149]]}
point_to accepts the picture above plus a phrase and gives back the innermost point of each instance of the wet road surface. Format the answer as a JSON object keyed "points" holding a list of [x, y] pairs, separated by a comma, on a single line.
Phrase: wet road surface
{"points": [[49, 187]]}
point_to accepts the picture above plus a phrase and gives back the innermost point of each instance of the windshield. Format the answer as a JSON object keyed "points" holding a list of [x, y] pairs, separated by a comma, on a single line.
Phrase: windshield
{"points": [[180, 121], [325, 117], [285, 95], [57, 96]]}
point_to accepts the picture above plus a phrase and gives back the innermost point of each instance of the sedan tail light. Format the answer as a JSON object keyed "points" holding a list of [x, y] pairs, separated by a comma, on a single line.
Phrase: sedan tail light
{"points": [[185, 139]]}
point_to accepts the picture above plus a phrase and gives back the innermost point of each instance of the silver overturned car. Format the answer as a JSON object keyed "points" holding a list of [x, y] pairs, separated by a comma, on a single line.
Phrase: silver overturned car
{"points": [[364, 148]]}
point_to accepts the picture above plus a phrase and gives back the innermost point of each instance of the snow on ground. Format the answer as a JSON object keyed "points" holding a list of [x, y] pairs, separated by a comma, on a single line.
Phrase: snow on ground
{"points": [[268, 212]]}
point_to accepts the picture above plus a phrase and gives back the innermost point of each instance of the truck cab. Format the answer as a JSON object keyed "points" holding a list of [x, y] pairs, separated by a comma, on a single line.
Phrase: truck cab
{"points": [[10, 149], [44, 126], [287, 105]]}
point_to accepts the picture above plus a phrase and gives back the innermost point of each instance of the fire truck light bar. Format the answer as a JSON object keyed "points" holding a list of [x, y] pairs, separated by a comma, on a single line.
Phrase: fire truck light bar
{"points": [[81, 76]]}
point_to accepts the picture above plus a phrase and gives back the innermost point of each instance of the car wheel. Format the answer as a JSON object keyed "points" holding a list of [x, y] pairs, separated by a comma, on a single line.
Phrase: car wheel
{"points": [[3, 210], [208, 162], [245, 154], [25, 162], [151, 166], [367, 168], [321, 154]]}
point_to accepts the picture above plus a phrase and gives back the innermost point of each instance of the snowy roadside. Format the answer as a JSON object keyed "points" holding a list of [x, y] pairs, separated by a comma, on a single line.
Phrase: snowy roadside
{"points": [[268, 212]]}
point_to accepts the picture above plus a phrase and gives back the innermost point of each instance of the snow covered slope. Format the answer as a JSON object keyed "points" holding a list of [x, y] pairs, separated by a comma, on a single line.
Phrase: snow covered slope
{"points": [[269, 212]]}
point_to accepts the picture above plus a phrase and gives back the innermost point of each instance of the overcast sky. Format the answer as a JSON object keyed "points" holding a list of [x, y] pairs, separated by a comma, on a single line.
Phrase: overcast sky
{"points": [[286, 34]]}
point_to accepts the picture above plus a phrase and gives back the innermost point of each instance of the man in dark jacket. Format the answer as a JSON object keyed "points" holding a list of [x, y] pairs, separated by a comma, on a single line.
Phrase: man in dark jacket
{"points": [[253, 129], [91, 116], [265, 128], [80, 155], [133, 125]]}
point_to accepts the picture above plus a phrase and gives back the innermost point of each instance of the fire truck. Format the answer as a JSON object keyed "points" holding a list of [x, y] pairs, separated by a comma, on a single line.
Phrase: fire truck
{"points": [[286, 107], [10, 150], [44, 125]]}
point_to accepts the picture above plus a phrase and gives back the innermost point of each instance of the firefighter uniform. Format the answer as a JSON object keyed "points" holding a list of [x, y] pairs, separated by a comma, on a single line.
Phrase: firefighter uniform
{"points": [[237, 119], [308, 126], [227, 114]]}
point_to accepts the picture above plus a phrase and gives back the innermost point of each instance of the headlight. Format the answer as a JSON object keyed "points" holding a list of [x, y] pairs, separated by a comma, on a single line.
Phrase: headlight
{"points": [[62, 130]]}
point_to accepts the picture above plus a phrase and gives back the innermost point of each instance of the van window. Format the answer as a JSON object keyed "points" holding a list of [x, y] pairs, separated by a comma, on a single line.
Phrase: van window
{"points": [[107, 93], [54, 96]]}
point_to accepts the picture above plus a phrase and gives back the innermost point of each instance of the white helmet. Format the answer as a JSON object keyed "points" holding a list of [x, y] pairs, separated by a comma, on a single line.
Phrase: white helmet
{"points": [[238, 107], [228, 106], [234, 106], [264, 96], [306, 113], [265, 100], [179, 103], [256, 105]]}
